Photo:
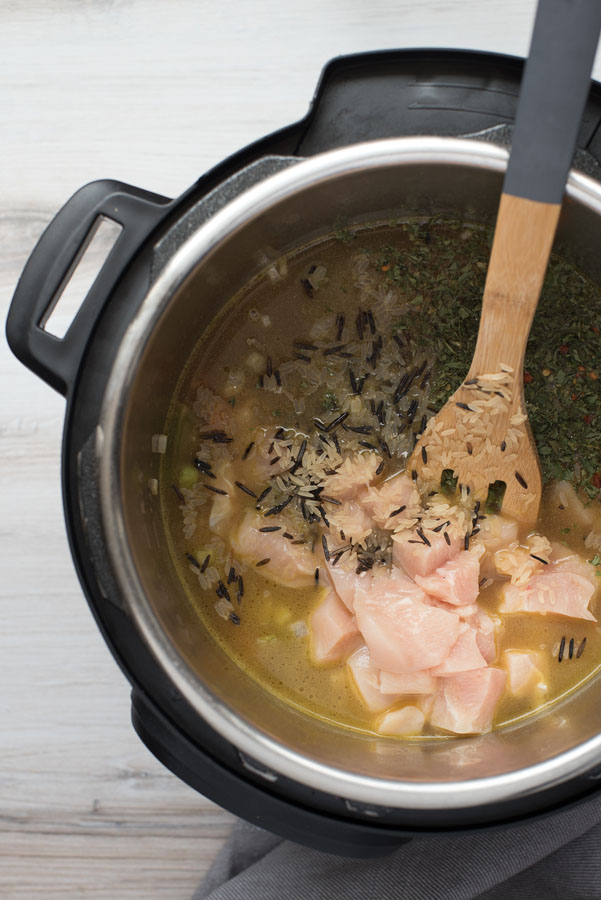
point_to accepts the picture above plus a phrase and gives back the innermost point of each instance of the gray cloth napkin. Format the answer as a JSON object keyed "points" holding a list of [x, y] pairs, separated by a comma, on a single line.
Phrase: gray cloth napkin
{"points": [[557, 857]]}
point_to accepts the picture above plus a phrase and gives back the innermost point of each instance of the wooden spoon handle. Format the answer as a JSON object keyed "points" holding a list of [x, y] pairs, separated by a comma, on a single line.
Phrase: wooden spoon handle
{"points": [[523, 237], [552, 98]]}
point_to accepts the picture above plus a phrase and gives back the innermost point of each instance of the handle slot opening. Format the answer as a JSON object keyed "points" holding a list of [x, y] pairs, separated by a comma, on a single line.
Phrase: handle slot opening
{"points": [[85, 268]]}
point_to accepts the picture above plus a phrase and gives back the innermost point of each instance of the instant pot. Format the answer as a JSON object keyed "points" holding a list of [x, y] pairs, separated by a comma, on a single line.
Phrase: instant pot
{"points": [[412, 133]]}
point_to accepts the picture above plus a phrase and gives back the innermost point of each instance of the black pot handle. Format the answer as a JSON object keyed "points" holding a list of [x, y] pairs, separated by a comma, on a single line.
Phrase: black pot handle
{"points": [[54, 259]]}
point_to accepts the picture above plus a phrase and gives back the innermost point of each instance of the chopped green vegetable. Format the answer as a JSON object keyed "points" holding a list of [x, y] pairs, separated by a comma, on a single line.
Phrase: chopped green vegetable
{"points": [[596, 560], [330, 401]]}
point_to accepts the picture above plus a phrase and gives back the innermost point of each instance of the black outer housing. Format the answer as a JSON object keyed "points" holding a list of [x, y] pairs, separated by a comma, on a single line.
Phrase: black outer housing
{"points": [[361, 97]]}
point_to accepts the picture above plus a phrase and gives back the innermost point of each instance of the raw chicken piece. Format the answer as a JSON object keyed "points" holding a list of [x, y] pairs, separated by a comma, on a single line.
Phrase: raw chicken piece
{"points": [[380, 501], [292, 565], [486, 629], [354, 473], [333, 630], [466, 703], [415, 683], [344, 580], [402, 722], [455, 582], [465, 655], [557, 592], [564, 560], [220, 519], [524, 674], [496, 533], [404, 634], [418, 558], [464, 612], [365, 677]]}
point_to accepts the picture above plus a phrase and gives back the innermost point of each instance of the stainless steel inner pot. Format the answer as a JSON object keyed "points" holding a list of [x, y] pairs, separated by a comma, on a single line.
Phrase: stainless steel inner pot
{"points": [[363, 183]]}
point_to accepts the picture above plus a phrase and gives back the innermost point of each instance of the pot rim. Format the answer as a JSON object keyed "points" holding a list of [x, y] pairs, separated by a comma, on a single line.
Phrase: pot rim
{"points": [[241, 733]]}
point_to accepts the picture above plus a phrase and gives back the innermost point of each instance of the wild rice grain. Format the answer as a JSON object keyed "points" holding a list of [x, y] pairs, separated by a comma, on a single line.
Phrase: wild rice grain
{"points": [[307, 287], [269, 528], [520, 480], [317, 575], [178, 493], [324, 544], [447, 538], [262, 496], [571, 648], [222, 591], [263, 562], [234, 618], [192, 559], [206, 562], [245, 489], [248, 449], [380, 468], [209, 487], [580, 650], [423, 537], [540, 559], [424, 456], [562, 647]]}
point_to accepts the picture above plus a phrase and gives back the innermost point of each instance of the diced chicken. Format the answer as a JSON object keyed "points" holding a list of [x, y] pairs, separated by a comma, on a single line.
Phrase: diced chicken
{"points": [[402, 722], [555, 592], [524, 673], [465, 655], [395, 493], [565, 560], [220, 519], [292, 565], [486, 628], [417, 558], [496, 533], [413, 683], [455, 582], [404, 634], [353, 475], [464, 612], [365, 677], [344, 581], [333, 630], [466, 703]]}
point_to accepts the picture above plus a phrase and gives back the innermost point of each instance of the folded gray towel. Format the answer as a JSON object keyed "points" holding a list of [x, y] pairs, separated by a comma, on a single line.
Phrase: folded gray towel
{"points": [[557, 857]]}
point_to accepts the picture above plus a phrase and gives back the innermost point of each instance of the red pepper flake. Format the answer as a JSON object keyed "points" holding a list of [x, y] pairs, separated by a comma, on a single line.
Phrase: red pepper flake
{"points": [[528, 377], [596, 480], [595, 329], [385, 268], [593, 376], [581, 369], [588, 418], [564, 349], [573, 397]]}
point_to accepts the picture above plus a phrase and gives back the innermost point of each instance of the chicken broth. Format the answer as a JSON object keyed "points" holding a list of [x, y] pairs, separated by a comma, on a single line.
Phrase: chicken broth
{"points": [[343, 584]]}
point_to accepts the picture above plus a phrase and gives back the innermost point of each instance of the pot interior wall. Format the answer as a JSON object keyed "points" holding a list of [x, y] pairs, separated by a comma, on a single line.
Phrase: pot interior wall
{"points": [[458, 191]]}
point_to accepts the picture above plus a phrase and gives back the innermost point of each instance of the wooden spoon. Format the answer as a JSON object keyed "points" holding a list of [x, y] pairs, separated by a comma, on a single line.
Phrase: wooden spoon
{"points": [[482, 433]]}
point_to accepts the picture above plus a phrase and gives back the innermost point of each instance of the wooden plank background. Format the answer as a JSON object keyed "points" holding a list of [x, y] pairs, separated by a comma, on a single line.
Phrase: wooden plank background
{"points": [[152, 93]]}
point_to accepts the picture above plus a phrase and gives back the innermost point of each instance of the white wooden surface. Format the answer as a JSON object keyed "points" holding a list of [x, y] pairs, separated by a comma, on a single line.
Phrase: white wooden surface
{"points": [[152, 93]]}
